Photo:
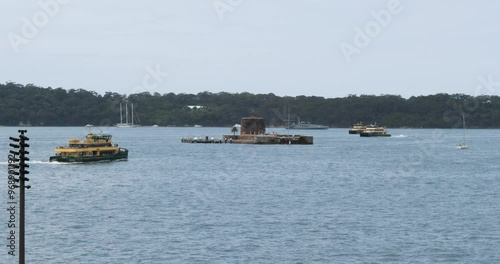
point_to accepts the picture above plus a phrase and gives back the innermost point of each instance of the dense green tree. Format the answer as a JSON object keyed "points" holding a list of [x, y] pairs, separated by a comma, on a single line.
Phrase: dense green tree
{"points": [[30, 104]]}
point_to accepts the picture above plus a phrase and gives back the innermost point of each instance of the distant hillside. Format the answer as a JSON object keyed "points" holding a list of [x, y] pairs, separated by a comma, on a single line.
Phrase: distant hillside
{"points": [[38, 106]]}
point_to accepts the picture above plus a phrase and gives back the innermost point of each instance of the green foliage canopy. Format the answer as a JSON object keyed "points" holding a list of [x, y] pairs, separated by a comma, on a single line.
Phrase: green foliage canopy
{"points": [[38, 106]]}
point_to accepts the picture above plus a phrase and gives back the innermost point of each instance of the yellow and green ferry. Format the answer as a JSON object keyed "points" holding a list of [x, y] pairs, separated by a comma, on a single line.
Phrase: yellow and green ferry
{"points": [[357, 128], [374, 131], [95, 147]]}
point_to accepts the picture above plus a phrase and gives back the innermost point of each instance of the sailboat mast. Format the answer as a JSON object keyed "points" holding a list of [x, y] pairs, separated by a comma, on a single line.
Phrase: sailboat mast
{"points": [[126, 113], [121, 118], [288, 119], [463, 117], [463, 144], [132, 116]]}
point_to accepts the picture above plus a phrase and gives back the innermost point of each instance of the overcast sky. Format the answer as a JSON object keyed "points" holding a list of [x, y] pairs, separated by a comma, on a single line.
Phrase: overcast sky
{"points": [[324, 48]]}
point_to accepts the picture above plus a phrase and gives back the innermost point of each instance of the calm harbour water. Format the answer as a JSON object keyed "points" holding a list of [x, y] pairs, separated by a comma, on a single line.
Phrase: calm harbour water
{"points": [[411, 198]]}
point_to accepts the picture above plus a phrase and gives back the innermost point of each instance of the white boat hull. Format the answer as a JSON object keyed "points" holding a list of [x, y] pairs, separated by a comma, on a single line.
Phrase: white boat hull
{"points": [[462, 146]]}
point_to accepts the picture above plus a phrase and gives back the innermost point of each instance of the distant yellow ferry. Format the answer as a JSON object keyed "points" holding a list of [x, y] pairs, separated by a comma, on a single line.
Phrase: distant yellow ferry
{"points": [[374, 131], [357, 128], [95, 147]]}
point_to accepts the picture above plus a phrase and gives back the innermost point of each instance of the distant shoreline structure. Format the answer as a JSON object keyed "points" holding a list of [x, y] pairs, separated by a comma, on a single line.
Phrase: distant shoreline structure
{"points": [[253, 131]]}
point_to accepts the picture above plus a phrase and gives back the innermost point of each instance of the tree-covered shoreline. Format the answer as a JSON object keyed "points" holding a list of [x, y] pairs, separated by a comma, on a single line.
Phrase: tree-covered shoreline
{"points": [[39, 106]]}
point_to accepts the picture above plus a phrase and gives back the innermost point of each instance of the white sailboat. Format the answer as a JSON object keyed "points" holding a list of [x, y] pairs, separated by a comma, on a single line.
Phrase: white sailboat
{"points": [[127, 123], [463, 144]]}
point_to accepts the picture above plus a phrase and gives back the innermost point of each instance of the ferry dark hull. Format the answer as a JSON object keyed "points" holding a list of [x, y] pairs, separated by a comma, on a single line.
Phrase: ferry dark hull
{"points": [[122, 154], [363, 134]]}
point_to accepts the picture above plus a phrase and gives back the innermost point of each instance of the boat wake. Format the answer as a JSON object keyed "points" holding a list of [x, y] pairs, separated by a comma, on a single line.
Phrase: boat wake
{"points": [[400, 136], [29, 162], [38, 162]]}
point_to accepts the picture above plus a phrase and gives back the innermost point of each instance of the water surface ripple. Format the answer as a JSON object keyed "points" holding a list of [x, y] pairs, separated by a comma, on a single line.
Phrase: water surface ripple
{"points": [[411, 198]]}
